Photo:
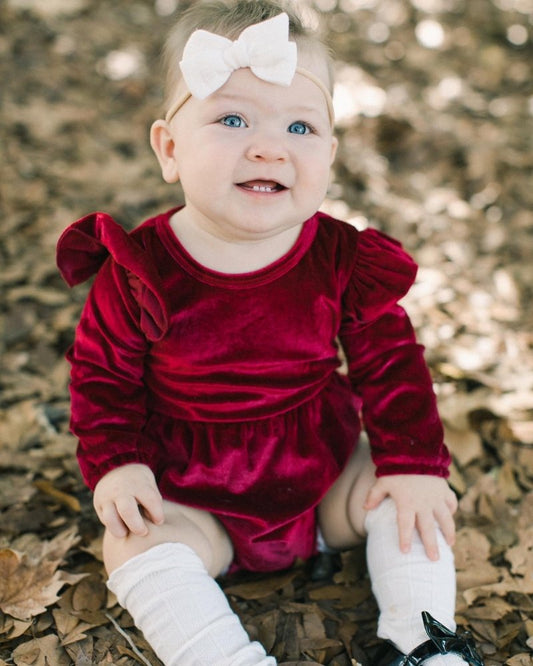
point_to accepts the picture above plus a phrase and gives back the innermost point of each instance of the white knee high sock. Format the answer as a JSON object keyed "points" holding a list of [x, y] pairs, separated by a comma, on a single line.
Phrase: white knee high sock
{"points": [[182, 611], [405, 584]]}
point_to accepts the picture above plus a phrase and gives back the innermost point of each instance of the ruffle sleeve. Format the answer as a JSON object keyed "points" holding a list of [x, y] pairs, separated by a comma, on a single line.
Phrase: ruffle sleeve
{"points": [[83, 248], [383, 273]]}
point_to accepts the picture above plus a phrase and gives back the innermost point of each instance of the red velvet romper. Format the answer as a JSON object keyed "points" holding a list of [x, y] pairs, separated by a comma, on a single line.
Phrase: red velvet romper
{"points": [[227, 385]]}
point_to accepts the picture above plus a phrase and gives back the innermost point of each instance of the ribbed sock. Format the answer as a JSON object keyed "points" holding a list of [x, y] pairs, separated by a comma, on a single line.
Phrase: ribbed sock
{"points": [[405, 584], [182, 611]]}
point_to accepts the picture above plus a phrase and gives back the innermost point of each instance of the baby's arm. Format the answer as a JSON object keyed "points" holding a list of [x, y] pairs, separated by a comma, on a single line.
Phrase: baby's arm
{"points": [[126, 497], [422, 502], [388, 372]]}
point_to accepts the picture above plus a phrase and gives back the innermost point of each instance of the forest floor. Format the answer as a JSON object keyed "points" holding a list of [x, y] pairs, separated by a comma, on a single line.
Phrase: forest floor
{"points": [[435, 103]]}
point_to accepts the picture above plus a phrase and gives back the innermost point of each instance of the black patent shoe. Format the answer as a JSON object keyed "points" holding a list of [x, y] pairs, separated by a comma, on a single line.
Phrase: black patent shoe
{"points": [[325, 566], [441, 641]]}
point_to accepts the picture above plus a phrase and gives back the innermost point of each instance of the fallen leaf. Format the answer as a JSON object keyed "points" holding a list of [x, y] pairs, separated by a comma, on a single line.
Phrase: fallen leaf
{"points": [[29, 583], [45, 651], [522, 659], [49, 489], [261, 588]]}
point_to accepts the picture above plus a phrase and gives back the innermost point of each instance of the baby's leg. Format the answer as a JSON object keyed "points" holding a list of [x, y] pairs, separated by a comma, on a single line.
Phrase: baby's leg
{"points": [[341, 515], [166, 582], [404, 584]]}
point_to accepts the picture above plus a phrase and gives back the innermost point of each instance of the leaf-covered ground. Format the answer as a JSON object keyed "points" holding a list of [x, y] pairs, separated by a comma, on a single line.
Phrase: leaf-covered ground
{"points": [[434, 103]]}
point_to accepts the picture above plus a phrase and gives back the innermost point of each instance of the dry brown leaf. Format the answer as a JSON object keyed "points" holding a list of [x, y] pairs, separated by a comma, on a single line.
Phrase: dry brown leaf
{"points": [[49, 489], [45, 651], [82, 653], [45, 296], [12, 628], [320, 648], [84, 606], [346, 597], [65, 622], [298, 607], [465, 444], [483, 573], [29, 582], [15, 489], [506, 585], [89, 595], [70, 628], [18, 423], [19, 628], [265, 627], [471, 548], [94, 548], [77, 634], [523, 430], [507, 632], [291, 635], [520, 557], [353, 567], [494, 609], [313, 625], [507, 482], [525, 519], [522, 659], [261, 589]]}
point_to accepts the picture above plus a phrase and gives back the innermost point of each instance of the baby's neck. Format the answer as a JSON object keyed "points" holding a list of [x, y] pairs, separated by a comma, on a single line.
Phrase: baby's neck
{"points": [[231, 255]]}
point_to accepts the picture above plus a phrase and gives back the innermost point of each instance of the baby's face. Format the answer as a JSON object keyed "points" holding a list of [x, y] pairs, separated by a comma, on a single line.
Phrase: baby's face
{"points": [[254, 158]]}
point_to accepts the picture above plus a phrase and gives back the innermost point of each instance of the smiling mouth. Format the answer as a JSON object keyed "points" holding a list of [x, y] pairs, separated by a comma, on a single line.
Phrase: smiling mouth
{"points": [[267, 186]]}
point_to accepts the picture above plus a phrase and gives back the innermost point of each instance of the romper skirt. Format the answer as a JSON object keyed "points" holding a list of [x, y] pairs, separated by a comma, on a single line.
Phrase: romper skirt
{"points": [[262, 479]]}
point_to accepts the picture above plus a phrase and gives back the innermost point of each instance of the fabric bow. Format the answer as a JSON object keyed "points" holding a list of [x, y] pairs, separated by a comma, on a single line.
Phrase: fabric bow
{"points": [[209, 60]]}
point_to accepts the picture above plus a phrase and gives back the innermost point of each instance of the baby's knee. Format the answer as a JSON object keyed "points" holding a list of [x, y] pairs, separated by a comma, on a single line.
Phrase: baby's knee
{"points": [[342, 513], [197, 529]]}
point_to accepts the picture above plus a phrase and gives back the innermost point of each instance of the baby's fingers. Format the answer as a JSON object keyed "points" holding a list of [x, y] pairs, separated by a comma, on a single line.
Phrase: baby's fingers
{"points": [[406, 526], [152, 505], [129, 512], [427, 528], [110, 518], [447, 525]]}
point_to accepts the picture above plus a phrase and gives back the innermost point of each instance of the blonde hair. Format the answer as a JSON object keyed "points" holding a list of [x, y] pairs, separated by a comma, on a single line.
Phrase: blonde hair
{"points": [[229, 18]]}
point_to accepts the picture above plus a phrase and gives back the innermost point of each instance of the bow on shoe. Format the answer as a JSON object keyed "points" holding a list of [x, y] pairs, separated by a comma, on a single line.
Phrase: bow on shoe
{"points": [[441, 641], [447, 641], [209, 60]]}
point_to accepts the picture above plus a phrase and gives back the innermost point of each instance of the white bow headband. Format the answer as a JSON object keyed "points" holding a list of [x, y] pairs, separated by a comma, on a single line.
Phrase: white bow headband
{"points": [[209, 60]]}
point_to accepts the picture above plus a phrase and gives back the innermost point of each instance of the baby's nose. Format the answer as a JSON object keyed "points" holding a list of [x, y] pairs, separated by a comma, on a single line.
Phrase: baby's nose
{"points": [[268, 149]]}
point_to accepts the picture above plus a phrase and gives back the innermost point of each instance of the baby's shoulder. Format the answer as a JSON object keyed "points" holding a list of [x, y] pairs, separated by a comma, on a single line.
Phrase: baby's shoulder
{"points": [[374, 269], [126, 264], [368, 246]]}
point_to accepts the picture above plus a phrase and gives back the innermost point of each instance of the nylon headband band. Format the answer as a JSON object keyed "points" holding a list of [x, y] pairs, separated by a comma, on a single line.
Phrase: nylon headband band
{"points": [[299, 70]]}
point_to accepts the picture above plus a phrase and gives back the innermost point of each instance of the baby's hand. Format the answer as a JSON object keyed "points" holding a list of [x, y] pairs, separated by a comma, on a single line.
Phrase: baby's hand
{"points": [[124, 497], [422, 502]]}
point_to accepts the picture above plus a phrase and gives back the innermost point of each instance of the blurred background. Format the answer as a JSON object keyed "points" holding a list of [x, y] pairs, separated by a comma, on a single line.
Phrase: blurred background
{"points": [[434, 106]]}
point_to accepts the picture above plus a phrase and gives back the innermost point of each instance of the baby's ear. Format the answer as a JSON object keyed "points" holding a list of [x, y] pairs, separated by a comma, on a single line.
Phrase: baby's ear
{"points": [[163, 145], [334, 146]]}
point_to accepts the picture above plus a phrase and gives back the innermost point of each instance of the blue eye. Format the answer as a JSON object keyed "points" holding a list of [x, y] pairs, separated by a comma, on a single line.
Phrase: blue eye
{"points": [[299, 128], [233, 120]]}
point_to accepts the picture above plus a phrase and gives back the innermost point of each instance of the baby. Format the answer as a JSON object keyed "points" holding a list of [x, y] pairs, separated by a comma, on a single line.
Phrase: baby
{"points": [[213, 424]]}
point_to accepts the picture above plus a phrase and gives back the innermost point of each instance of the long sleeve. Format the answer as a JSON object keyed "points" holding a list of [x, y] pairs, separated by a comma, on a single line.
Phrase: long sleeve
{"points": [[108, 397], [108, 410], [386, 364]]}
